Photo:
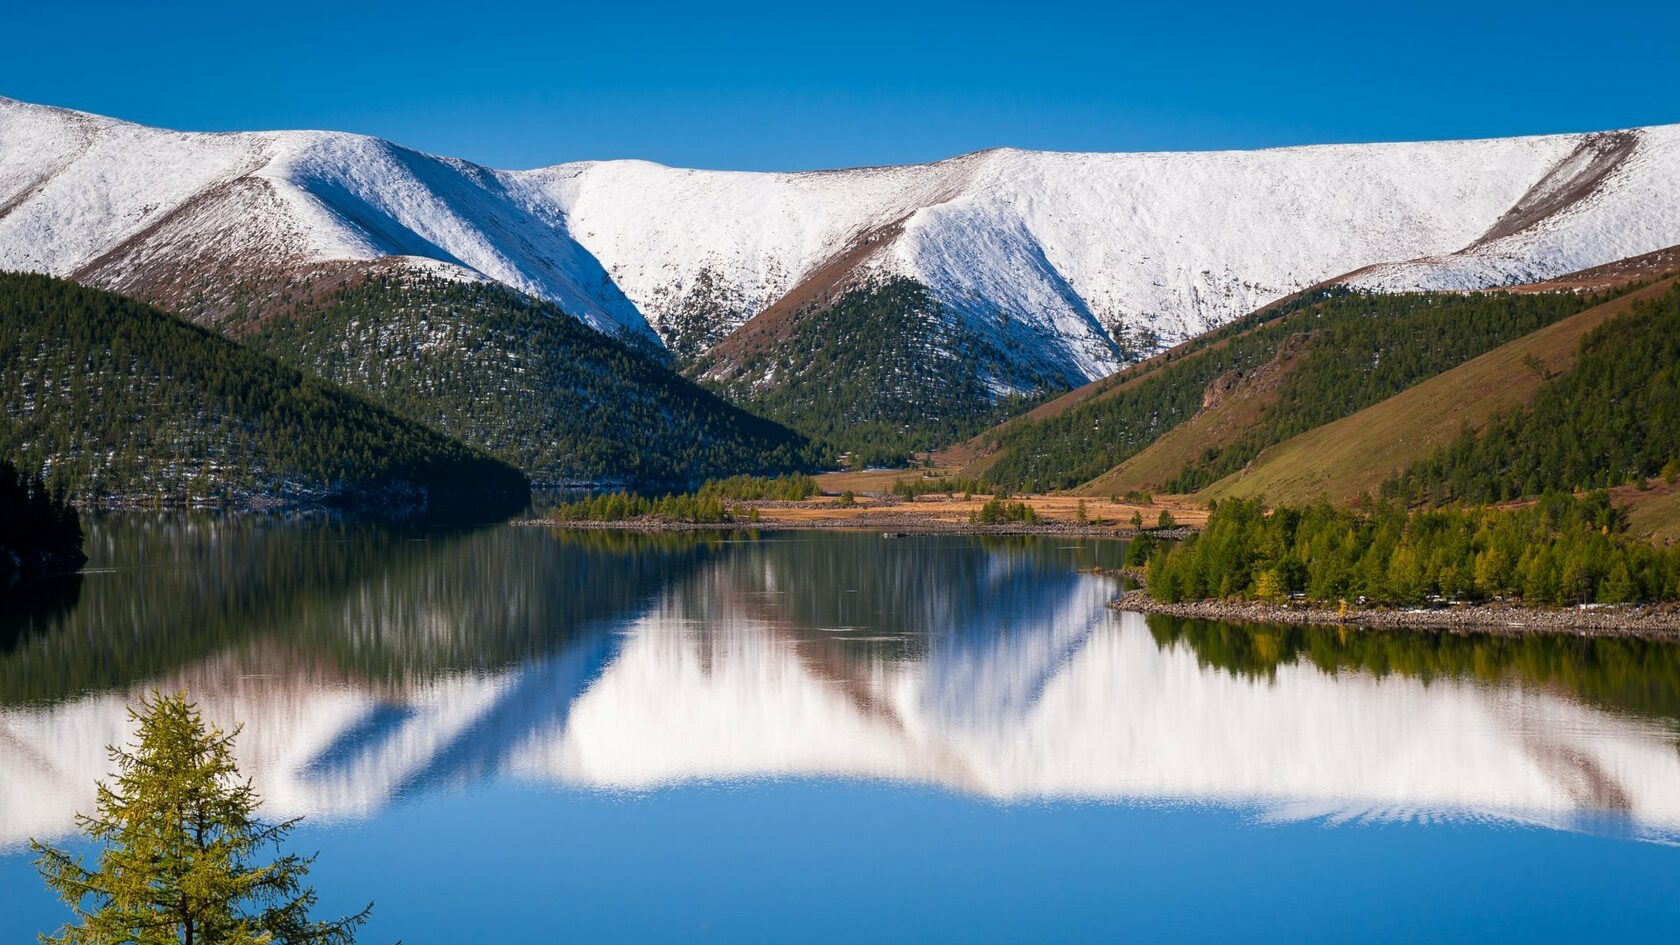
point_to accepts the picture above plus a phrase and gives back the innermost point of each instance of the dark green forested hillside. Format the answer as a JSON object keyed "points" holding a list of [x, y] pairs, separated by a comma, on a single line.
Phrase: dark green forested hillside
{"points": [[40, 532], [1082, 443], [119, 400], [879, 373], [520, 378], [1360, 349], [1613, 418]]}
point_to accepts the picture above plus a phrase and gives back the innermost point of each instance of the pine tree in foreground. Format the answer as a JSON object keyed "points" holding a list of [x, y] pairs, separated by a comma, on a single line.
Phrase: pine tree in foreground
{"points": [[183, 858]]}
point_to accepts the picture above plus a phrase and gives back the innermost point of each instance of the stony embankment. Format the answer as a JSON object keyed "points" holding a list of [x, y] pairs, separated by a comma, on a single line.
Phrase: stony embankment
{"points": [[1654, 621]]}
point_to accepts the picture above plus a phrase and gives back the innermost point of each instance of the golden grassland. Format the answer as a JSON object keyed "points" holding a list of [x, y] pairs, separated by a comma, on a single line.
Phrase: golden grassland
{"points": [[1353, 455], [875, 481], [882, 510], [1219, 425], [1653, 512]]}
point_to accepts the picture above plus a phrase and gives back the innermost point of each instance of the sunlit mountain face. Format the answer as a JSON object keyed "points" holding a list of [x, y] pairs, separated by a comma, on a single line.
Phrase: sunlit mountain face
{"points": [[372, 664]]}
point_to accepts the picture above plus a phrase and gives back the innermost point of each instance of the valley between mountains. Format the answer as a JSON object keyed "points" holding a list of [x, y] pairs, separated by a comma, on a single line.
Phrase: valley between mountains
{"points": [[1299, 322]]}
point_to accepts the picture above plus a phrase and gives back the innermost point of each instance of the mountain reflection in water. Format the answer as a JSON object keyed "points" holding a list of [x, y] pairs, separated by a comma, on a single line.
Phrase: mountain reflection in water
{"points": [[369, 663]]}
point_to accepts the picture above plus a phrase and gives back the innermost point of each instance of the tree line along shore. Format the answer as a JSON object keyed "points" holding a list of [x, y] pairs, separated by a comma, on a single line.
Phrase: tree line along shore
{"points": [[1564, 562]]}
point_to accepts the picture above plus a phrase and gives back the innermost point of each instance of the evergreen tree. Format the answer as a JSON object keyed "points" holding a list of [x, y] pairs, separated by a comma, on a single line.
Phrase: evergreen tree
{"points": [[1562, 549], [1140, 549], [521, 379], [1335, 352], [183, 858], [39, 530], [1612, 418], [119, 399]]}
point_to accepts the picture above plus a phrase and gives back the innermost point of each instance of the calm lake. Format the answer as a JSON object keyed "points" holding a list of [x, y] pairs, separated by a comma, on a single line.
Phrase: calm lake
{"points": [[519, 735]]}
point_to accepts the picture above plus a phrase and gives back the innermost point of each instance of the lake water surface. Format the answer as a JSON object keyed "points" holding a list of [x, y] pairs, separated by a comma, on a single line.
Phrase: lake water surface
{"points": [[519, 735]]}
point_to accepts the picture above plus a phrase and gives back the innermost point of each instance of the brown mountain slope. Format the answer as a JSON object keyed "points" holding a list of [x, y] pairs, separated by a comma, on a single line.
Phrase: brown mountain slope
{"points": [[1230, 413], [1231, 406], [973, 456], [1341, 460], [1653, 512], [771, 327]]}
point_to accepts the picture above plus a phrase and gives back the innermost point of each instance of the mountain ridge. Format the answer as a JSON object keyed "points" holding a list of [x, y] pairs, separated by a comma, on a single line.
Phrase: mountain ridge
{"points": [[1061, 266], [999, 228]]}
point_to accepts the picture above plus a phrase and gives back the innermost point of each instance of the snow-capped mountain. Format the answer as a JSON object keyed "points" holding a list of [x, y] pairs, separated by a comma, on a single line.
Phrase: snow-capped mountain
{"points": [[1072, 261]]}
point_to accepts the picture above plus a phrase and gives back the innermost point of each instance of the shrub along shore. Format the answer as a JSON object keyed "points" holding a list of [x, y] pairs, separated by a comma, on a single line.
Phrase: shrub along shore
{"points": [[1563, 563]]}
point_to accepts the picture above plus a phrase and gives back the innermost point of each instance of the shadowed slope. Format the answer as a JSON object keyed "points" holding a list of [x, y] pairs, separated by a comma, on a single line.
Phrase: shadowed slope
{"points": [[119, 400]]}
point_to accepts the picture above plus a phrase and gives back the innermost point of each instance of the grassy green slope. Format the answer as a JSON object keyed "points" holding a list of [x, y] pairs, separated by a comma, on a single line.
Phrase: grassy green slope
{"points": [[120, 400], [1219, 425], [1612, 418], [1654, 512], [1356, 350], [1347, 457]]}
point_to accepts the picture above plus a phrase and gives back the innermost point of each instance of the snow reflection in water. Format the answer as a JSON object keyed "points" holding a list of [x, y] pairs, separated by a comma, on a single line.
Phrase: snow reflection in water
{"points": [[985, 667]]}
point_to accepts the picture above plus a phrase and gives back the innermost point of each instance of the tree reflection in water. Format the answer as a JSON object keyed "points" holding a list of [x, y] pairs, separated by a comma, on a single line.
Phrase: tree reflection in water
{"points": [[374, 661]]}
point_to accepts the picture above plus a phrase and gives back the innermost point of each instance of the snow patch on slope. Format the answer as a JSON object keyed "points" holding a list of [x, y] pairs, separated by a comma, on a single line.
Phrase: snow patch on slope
{"points": [[75, 188], [1047, 255], [665, 233], [1629, 213]]}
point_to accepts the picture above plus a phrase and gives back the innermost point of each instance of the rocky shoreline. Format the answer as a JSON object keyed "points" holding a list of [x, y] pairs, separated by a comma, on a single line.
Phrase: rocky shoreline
{"points": [[1651, 621]]}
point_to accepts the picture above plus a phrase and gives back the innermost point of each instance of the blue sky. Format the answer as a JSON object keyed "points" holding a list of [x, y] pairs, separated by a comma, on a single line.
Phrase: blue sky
{"points": [[794, 86]]}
